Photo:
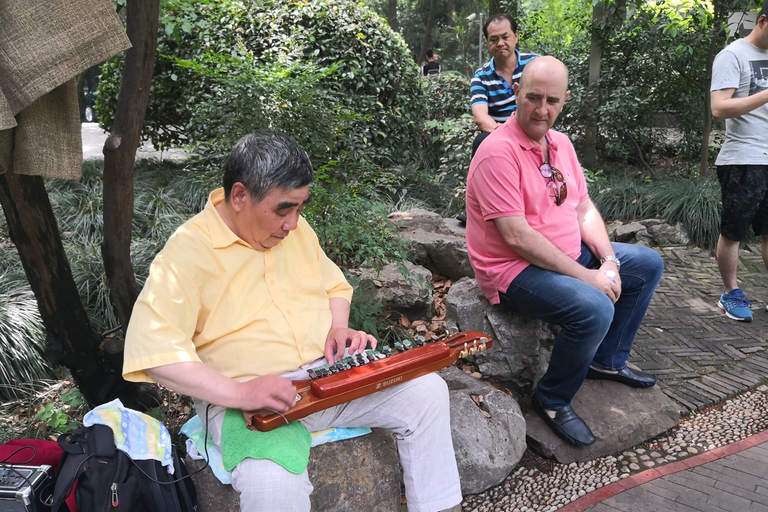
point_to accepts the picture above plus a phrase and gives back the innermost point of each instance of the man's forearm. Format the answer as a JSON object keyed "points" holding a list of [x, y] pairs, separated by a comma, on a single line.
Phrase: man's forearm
{"points": [[724, 107], [486, 123], [198, 380], [593, 233]]}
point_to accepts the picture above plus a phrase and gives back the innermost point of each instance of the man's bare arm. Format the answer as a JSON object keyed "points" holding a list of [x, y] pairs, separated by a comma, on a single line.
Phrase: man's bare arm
{"points": [[725, 106], [485, 122], [199, 380], [536, 249]]}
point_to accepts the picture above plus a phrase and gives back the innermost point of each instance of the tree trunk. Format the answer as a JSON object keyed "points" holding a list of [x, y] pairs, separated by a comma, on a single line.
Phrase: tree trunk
{"points": [[589, 158], [120, 154], [71, 341], [450, 10], [392, 15], [427, 40], [494, 8]]}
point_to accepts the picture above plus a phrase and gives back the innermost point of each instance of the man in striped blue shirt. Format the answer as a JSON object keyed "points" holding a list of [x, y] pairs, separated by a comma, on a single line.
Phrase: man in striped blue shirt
{"points": [[492, 93]]}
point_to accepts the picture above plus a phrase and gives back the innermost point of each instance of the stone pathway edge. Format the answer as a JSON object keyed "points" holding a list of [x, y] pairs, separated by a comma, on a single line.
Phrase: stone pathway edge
{"points": [[598, 495]]}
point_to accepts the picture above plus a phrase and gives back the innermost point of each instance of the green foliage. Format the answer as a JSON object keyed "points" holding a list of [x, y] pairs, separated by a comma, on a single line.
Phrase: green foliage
{"points": [[166, 194], [693, 203], [446, 96], [450, 128], [352, 229], [372, 77], [59, 416], [696, 204], [22, 335]]}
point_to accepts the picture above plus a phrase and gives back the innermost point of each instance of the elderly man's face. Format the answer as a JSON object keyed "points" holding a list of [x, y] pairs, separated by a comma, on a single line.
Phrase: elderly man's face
{"points": [[266, 223], [501, 39]]}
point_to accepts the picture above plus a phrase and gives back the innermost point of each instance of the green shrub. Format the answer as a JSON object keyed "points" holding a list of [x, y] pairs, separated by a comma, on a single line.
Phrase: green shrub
{"points": [[693, 203], [446, 96], [22, 335], [374, 78], [352, 228]]}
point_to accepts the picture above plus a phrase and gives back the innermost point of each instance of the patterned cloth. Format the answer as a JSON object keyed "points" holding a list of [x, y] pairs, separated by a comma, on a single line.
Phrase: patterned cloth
{"points": [[141, 436]]}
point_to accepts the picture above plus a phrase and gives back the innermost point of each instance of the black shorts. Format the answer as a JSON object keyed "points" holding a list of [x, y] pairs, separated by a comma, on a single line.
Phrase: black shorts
{"points": [[744, 191]]}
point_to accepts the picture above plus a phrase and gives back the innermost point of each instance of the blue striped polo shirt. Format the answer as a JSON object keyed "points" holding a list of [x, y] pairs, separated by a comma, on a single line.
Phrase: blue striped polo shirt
{"points": [[487, 87]]}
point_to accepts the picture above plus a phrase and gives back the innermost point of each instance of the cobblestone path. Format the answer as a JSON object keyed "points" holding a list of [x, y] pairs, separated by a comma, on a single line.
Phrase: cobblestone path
{"points": [[700, 356]]}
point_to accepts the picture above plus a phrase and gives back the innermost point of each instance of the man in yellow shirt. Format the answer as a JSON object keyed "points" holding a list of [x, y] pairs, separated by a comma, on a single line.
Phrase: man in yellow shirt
{"points": [[242, 300]]}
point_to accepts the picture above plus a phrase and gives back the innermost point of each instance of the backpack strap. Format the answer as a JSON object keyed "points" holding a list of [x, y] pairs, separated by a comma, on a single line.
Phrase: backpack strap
{"points": [[79, 446]]}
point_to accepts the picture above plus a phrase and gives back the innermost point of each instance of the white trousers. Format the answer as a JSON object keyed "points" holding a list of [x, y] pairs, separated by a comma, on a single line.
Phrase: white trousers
{"points": [[417, 412]]}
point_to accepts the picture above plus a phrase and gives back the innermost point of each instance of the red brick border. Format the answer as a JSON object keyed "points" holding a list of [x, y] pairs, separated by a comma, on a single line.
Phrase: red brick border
{"points": [[622, 485]]}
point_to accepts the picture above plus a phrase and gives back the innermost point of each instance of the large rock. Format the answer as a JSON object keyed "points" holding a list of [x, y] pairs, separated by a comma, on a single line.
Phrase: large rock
{"points": [[648, 232], [488, 431], [521, 344], [437, 244], [354, 475], [410, 294], [619, 416]]}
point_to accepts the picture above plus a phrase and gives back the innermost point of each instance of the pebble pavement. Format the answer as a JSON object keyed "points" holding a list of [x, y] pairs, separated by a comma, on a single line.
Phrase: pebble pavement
{"points": [[548, 488]]}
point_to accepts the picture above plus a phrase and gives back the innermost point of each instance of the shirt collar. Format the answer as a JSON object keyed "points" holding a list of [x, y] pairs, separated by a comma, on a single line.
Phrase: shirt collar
{"points": [[492, 62], [522, 138], [221, 235]]}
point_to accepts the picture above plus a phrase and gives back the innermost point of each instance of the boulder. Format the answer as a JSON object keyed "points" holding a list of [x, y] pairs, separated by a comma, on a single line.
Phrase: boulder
{"points": [[521, 344], [619, 416], [340, 473], [488, 431], [410, 294], [648, 232], [436, 243], [668, 234], [626, 233]]}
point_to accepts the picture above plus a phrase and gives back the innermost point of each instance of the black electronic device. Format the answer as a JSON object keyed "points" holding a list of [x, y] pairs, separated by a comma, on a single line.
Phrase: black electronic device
{"points": [[25, 488]]}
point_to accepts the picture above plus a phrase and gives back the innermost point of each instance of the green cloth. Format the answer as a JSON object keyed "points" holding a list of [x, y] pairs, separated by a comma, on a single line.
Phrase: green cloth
{"points": [[287, 445]]}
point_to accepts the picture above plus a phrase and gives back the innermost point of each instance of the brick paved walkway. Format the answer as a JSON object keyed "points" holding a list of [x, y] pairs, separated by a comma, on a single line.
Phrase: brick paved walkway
{"points": [[700, 356]]}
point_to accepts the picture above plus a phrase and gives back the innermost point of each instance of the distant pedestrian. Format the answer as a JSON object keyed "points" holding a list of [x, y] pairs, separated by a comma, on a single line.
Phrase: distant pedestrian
{"points": [[431, 67], [739, 93]]}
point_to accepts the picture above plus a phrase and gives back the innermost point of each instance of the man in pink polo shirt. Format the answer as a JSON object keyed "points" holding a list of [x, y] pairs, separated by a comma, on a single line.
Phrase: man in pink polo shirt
{"points": [[539, 246]]}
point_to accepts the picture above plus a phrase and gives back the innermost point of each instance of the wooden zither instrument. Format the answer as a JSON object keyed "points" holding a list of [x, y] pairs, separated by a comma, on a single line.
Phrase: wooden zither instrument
{"points": [[362, 374]]}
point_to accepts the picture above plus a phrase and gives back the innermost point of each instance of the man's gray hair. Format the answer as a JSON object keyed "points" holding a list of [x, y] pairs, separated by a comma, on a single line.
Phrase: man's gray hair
{"points": [[263, 161]]}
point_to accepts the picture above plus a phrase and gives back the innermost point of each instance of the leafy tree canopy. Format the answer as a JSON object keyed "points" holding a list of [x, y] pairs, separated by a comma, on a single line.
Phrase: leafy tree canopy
{"points": [[356, 55]]}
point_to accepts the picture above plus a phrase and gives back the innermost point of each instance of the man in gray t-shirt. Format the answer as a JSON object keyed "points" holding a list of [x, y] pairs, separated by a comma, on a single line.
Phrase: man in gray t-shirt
{"points": [[739, 94]]}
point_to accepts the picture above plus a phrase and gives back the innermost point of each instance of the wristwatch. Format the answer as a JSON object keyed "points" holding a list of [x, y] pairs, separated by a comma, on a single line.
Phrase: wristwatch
{"points": [[613, 259]]}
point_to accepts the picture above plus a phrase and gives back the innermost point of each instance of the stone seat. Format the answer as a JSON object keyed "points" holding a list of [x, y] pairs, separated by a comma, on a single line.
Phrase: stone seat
{"points": [[338, 488]]}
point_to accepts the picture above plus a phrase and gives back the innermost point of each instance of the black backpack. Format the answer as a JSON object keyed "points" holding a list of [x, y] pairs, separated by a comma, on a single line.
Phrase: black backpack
{"points": [[107, 477]]}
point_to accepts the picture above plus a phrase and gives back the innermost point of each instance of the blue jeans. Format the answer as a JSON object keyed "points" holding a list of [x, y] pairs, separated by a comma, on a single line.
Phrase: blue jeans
{"points": [[594, 330]]}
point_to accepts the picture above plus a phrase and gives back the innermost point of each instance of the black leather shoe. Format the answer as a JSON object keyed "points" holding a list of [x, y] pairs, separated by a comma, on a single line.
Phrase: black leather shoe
{"points": [[566, 424], [462, 218], [628, 376]]}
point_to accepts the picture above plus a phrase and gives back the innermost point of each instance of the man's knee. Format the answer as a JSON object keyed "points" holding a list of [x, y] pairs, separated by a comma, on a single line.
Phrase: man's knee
{"points": [[265, 486]]}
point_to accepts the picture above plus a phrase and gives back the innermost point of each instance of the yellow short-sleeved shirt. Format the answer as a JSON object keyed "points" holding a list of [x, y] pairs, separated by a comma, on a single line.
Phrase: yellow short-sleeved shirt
{"points": [[211, 297]]}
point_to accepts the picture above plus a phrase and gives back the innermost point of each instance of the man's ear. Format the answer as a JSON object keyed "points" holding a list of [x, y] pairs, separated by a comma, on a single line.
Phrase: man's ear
{"points": [[238, 196], [567, 93], [516, 87]]}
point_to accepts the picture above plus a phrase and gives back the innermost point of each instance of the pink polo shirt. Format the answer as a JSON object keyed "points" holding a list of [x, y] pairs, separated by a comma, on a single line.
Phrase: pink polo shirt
{"points": [[504, 181]]}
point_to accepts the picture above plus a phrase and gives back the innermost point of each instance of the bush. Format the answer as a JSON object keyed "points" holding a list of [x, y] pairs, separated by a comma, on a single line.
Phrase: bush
{"points": [[693, 203], [374, 77]]}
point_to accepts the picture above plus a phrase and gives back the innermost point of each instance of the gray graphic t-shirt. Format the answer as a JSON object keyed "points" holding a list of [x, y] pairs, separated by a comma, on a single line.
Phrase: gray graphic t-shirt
{"points": [[744, 67]]}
